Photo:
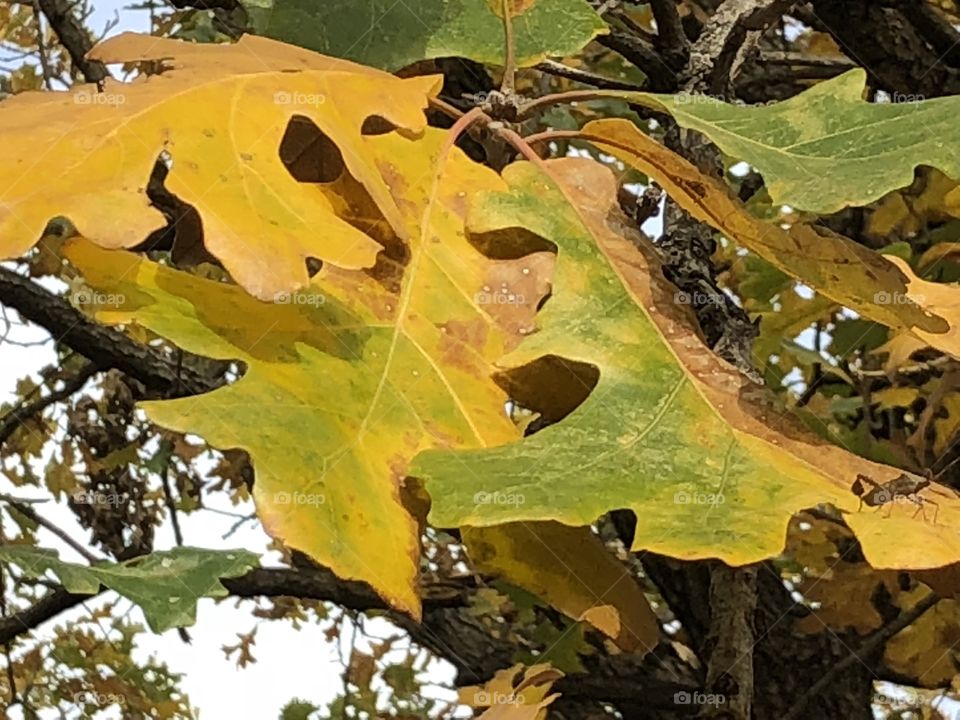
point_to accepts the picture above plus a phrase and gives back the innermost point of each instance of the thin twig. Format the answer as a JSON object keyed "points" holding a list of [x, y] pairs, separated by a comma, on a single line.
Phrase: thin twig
{"points": [[16, 417], [31, 514], [907, 369], [446, 107], [553, 67], [4, 568], [42, 47], [866, 648], [572, 96], [169, 501]]}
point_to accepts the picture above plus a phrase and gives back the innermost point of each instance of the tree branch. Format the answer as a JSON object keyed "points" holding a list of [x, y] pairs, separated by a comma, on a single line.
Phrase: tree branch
{"points": [[733, 600], [16, 417], [862, 654], [29, 513], [890, 39], [553, 67], [74, 37], [727, 40], [671, 39], [105, 347], [660, 75]]}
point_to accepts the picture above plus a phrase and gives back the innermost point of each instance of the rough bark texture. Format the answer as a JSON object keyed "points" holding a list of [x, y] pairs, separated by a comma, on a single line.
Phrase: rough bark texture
{"points": [[888, 39], [74, 37]]}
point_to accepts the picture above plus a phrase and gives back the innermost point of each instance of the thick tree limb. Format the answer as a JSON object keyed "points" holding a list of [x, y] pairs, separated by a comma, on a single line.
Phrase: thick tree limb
{"points": [[74, 37], [448, 630], [901, 56], [727, 40], [733, 600], [313, 584], [105, 347], [49, 607]]}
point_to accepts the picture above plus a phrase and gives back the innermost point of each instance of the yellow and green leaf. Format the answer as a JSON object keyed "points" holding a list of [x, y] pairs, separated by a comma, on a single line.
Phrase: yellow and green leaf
{"points": [[710, 466], [827, 148], [349, 378]]}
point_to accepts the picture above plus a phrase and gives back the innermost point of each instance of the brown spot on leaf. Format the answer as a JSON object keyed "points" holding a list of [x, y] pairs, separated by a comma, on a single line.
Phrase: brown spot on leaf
{"points": [[460, 341]]}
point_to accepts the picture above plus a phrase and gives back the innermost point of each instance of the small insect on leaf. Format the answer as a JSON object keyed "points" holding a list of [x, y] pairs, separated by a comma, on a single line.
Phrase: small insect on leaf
{"points": [[903, 486]]}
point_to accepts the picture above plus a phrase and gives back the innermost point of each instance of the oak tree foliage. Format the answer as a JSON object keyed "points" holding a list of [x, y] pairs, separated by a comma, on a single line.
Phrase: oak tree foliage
{"points": [[608, 353]]}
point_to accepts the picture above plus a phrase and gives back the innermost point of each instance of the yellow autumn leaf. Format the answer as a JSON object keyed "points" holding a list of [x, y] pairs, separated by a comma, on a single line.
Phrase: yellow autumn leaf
{"points": [[722, 466], [931, 199], [218, 114], [572, 570], [515, 693], [880, 287], [352, 376]]}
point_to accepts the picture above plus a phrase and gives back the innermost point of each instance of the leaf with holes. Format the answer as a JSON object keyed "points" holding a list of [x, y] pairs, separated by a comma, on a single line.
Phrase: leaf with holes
{"points": [[221, 112], [353, 375], [709, 464]]}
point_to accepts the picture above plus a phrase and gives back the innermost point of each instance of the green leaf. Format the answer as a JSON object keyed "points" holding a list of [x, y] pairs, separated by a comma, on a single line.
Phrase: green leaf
{"points": [[391, 35], [827, 148], [705, 459], [298, 709], [166, 585]]}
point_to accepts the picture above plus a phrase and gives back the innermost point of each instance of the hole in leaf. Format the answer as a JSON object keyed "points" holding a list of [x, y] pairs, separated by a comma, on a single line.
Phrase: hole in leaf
{"points": [[376, 125], [551, 385], [313, 266], [510, 243], [182, 236], [308, 153]]}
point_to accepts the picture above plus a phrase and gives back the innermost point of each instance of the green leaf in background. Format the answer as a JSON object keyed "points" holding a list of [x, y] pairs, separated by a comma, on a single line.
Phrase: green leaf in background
{"points": [[827, 148], [390, 35], [166, 585], [707, 461]]}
